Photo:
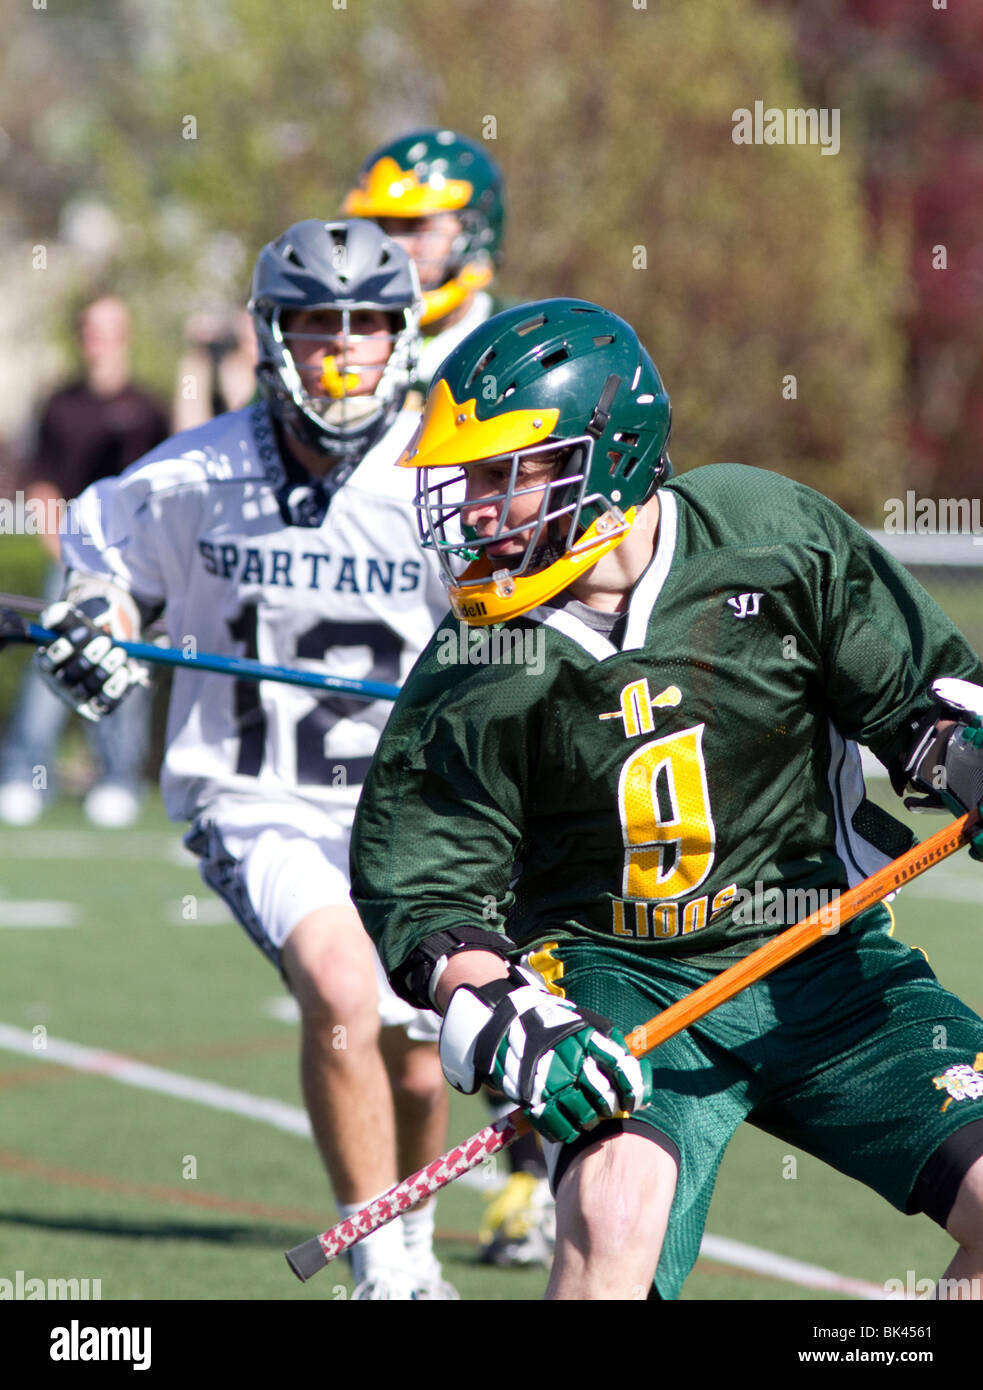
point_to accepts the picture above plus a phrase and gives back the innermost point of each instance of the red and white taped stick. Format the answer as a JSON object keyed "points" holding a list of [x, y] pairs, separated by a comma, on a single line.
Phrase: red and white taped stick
{"points": [[314, 1254]]}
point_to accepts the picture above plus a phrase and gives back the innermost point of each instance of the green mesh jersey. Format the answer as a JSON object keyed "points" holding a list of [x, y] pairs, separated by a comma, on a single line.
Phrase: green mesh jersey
{"points": [[694, 787]]}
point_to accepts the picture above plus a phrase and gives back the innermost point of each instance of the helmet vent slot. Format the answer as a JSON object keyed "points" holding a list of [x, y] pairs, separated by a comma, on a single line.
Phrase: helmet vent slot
{"points": [[552, 359], [604, 340], [615, 458], [629, 468], [480, 365], [530, 325]]}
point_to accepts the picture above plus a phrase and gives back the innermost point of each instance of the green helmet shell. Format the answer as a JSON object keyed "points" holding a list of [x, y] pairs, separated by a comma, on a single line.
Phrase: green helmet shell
{"points": [[585, 362], [437, 156]]}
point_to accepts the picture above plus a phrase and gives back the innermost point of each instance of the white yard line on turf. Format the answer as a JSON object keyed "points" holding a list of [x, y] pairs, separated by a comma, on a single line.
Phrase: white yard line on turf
{"points": [[40, 912], [99, 844], [735, 1252], [116, 1067]]}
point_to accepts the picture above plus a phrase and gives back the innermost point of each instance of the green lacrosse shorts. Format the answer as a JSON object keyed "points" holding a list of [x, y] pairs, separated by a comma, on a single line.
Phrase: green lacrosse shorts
{"points": [[853, 1053]]}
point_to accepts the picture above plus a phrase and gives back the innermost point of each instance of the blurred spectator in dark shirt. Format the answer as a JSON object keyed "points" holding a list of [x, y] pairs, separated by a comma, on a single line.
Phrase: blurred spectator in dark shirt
{"points": [[91, 429]]}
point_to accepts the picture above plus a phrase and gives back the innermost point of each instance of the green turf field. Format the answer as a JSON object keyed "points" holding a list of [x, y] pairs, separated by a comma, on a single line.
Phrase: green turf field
{"points": [[161, 1197]]}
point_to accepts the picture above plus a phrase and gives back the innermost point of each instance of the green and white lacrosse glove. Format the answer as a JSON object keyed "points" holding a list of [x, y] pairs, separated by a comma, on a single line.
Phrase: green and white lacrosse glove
{"points": [[948, 765], [567, 1067]]}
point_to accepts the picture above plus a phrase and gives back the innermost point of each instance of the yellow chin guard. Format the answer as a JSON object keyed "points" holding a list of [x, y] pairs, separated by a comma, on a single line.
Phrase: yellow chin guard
{"points": [[438, 303], [503, 595], [337, 384]]}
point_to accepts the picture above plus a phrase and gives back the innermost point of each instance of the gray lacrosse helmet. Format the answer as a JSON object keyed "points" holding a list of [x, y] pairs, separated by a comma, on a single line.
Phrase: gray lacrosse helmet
{"points": [[345, 266]]}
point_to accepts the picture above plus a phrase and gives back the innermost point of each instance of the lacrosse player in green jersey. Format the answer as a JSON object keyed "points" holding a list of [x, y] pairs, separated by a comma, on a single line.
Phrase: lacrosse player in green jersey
{"points": [[650, 694], [441, 197]]}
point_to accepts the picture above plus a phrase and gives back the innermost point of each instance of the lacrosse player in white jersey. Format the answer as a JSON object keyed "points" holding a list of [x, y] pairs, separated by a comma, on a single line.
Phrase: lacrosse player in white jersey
{"points": [[283, 532]]}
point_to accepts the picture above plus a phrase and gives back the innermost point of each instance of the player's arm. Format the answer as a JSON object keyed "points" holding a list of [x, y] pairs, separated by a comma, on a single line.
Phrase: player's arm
{"points": [[902, 678], [435, 838], [474, 967]]}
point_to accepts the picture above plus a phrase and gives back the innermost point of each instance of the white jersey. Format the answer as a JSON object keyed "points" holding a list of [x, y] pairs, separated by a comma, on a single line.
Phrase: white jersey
{"points": [[441, 345], [208, 527]]}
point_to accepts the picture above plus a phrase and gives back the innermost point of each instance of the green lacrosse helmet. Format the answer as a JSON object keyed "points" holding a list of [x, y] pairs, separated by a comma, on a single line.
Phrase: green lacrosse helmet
{"points": [[561, 385], [434, 171]]}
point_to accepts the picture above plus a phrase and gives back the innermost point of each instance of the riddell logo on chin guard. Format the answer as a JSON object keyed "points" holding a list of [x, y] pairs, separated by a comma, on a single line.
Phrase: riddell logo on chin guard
{"points": [[470, 610]]}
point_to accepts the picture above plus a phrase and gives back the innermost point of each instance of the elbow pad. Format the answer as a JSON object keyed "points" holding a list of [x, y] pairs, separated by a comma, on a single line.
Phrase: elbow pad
{"points": [[416, 978]]}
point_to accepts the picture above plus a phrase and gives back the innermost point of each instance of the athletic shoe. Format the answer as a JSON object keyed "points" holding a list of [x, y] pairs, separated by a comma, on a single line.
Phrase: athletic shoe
{"points": [[385, 1284], [430, 1286], [435, 1291], [20, 803], [520, 1224], [111, 807]]}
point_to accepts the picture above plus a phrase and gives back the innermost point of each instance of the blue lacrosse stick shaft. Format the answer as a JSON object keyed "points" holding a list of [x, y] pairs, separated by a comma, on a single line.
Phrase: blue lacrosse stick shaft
{"points": [[236, 666]]}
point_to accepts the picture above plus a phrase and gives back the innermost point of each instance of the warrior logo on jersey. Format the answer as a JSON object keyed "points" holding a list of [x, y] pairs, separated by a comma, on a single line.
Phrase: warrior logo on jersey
{"points": [[746, 605], [963, 1082], [637, 705]]}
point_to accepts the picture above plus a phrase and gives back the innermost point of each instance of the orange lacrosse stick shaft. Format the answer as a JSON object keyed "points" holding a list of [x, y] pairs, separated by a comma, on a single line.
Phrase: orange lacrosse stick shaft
{"points": [[314, 1254]]}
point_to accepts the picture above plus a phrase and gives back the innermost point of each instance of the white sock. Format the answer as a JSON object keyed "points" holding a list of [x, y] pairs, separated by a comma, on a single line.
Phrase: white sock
{"points": [[383, 1249], [418, 1229]]}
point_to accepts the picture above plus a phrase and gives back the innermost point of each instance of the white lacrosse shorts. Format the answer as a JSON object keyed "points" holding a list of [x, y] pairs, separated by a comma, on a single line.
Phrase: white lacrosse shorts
{"points": [[275, 862]]}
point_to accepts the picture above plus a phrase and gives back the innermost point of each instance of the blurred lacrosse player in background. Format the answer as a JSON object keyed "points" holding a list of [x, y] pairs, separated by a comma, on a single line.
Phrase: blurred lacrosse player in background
{"points": [[441, 197]]}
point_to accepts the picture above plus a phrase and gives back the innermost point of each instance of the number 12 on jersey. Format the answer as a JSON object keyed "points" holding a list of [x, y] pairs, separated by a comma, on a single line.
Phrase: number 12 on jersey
{"points": [[313, 767]]}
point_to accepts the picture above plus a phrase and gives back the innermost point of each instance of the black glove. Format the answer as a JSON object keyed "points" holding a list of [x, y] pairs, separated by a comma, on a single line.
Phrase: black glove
{"points": [[82, 665]]}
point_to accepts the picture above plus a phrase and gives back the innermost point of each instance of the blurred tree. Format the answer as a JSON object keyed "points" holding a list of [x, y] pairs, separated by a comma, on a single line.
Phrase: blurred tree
{"points": [[614, 125], [209, 125], [912, 72]]}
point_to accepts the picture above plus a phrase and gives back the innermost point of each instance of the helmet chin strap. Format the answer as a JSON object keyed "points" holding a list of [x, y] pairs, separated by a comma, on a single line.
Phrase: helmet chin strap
{"points": [[483, 596]]}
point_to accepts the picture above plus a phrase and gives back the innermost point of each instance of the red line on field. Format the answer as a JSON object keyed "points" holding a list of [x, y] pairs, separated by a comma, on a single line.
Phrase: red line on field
{"points": [[36, 1168], [101, 1182]]}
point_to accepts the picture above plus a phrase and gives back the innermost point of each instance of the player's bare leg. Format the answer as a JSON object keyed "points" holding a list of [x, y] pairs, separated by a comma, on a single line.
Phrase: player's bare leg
{"points": [[329, 965], [964, 1276], [612, 1209], [420, 1098]]}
